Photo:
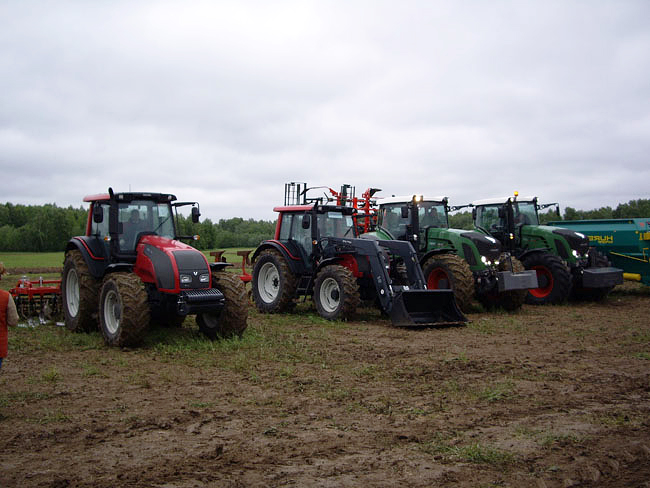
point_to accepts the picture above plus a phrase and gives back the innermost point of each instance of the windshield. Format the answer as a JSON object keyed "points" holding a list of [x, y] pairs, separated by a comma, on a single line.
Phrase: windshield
{"points": [[390, 218], [144, 216], [432, 214], [335, 224], [487, 216], [525, 213]]}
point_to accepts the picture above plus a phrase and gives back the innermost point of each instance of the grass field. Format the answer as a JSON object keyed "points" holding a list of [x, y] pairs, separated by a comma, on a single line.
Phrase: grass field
{"points": [[548, 397], [25, 261]]}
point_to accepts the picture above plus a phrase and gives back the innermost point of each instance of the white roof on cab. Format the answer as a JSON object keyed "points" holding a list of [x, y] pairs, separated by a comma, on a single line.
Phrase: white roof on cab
{"points": [[407, 199], [497, 201]]}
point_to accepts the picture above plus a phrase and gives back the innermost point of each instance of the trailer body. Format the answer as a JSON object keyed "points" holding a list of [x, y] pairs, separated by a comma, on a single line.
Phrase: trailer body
{"points": [[625, 242]]}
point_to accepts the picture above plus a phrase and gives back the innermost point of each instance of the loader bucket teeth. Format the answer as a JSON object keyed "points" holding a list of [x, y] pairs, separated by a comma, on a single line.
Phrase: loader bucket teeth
{"points": [[421, 308]]}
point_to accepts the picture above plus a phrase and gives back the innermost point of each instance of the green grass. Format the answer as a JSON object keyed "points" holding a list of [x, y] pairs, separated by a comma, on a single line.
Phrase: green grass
{"points": [[55, 259], [476, 453], [32, 259], [52, 338]]}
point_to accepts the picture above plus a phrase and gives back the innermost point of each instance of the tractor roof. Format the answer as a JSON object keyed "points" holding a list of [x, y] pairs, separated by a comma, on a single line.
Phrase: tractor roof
{"points": [[409, 198], [321, 208], [498, 201], [129, 196]]}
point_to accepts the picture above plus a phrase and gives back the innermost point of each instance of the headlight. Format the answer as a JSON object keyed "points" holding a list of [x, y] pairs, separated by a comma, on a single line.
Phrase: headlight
{"points": [[204, 278], [484, 260], [575, 253], [186, 279]]}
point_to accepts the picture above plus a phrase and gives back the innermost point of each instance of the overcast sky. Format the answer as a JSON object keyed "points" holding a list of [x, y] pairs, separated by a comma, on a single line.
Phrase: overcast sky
{"points": [[223, 102]]}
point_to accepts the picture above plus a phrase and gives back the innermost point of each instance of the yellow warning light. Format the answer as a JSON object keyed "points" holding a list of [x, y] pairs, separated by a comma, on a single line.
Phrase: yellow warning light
{"points": [[516, 194]]}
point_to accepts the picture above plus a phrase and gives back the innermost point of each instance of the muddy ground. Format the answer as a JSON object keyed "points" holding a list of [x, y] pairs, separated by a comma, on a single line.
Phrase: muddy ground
{"points": [[548, 397]]}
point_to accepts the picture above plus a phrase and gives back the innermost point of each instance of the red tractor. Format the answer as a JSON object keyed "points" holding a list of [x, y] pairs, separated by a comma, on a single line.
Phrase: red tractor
{"points": [[317, 252], [130, 270]]}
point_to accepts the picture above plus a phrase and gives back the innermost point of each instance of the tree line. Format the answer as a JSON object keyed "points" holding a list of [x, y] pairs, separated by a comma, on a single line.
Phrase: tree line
{"points": [[47, 228]]}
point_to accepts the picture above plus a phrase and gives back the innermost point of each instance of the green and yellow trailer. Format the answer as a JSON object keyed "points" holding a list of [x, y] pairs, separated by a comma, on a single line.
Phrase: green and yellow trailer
{"points": [[625, 242]]}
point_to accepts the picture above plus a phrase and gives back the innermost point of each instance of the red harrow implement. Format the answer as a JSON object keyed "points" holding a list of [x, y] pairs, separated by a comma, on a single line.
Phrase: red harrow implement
{"points": [[40, 299]]}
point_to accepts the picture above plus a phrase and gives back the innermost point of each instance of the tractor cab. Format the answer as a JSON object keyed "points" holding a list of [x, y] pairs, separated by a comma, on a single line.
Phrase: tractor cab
{"points": [[119, 221], [503, 218], [305, 229], [410, 218]]}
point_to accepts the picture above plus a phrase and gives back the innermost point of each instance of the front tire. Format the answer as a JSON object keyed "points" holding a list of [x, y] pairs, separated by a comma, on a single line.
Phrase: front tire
{"points": [[336, 293], [233, 319], [273, 283], [80, 293], [450, 271], [123, 310], [553, 277]]}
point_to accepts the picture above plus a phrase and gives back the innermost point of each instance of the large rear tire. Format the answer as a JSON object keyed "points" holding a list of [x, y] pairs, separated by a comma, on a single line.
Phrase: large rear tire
{"points": [[273, 283], [450, 271], [507, 300], [233, 319], [123, 309], [553, 277], [80, 293], [336, 293]]}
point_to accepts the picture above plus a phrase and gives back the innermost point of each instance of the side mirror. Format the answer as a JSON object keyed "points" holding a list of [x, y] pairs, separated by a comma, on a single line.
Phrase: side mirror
{"points": [[98, 214], [557, 210], [195, 215], [405, 212], [306, 221], [474, 214]]}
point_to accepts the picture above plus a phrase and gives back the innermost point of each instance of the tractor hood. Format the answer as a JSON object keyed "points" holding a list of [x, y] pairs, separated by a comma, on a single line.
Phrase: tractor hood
{"points": [[486, 245], [172, 265], [576, 240]]}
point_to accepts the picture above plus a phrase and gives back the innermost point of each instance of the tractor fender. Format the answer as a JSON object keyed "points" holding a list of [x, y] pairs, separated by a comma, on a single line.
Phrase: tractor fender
{"points": [[327, 262], [115, 267], [219, 266], [436, 252], [528, 252], [92, 251], [295, 263]]}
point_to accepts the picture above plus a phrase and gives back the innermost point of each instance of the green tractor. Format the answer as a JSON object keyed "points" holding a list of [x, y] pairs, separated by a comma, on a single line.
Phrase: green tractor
{"points": [[566, 266], [470, 263]]}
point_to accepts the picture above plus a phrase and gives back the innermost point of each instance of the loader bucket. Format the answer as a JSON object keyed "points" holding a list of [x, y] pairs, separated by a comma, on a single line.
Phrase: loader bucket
{"points": [[421, 308]]}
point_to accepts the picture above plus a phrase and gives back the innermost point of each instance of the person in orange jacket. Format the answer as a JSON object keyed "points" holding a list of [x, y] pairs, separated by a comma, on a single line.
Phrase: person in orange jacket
{"points": [[8, 317]]}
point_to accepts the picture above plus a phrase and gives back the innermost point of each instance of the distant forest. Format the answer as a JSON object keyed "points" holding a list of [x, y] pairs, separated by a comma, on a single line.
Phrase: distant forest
{"points": [[47, 228]]}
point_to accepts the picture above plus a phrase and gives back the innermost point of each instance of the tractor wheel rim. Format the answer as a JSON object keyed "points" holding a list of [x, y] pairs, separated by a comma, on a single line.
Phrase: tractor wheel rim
{"points": [[112, 312], [72, 292], [438, 279], [543, 275], [269, 282], [330, 295]]}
